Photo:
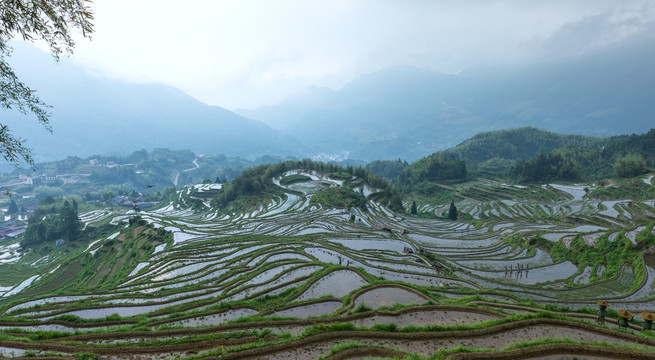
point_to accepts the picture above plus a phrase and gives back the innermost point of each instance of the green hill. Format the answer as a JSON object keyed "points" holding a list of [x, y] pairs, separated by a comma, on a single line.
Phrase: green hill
{"points": [[516, 144], [529, 155], [622, 156], [421, 175]]}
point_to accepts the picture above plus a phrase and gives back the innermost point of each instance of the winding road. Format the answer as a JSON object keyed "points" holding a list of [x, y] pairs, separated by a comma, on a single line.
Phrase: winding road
{"points": [[177, 175]]}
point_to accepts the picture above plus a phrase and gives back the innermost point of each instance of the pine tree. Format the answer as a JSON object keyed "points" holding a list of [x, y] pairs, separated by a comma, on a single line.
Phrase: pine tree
{"points": [[13, 208], [452, 212], [413, 210], [34, 235], [70, 223]]}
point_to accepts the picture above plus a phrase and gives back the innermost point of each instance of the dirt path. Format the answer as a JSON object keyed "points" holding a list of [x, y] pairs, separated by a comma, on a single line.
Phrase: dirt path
{"points": [[195, 162], [426, 344], [195, 166]]}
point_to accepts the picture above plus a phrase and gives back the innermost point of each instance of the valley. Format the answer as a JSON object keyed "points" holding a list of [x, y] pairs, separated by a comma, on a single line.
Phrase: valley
{"points": [[421, 180], [292, 275]]}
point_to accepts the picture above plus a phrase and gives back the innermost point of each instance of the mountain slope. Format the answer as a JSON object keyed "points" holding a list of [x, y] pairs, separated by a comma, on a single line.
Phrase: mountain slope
{"points": [[93, 115], [530, 155], [516, 144]]}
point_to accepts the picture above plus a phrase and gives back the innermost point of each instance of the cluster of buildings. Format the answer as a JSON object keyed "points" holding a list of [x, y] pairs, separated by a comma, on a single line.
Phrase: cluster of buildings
{"points": [[111, 164], [12, 228], [50, 179], [39, 180]]}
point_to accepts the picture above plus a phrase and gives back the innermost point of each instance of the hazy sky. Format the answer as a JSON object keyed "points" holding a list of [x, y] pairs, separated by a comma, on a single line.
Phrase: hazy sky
{"points": [[242, 53]]}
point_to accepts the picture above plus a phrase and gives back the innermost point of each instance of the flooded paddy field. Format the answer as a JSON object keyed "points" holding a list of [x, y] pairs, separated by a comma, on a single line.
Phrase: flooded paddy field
{"points": [[296, 279]]}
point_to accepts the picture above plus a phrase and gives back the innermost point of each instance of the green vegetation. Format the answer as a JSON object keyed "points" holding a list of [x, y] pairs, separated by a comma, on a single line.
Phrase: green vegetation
{"points": [[531, 156], [388, 169], [339, 197], [625, 156], [630, 165], [294, 179], [413, 210], [452, 211], [420, 177], [12, 208], [160, 168], [142, 176], [546, 167], [52, 220], [256, 184], [44, 191], [610, 254], [341, 175], [204, 280], [619, 189], [515, 144]]}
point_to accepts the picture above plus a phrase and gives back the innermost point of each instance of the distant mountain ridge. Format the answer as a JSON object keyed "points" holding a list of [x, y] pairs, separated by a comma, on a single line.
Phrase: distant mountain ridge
{"points": [[400, 112], [93, 115], [409, 113]]}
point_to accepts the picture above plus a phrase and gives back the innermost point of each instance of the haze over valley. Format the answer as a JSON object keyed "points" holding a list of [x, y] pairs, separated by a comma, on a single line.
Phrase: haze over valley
{"points": [[400, 112], [344, 180]]}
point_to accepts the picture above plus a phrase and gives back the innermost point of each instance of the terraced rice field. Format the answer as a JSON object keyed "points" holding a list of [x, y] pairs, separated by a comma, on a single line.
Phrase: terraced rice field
{"points": [[288, 280]]}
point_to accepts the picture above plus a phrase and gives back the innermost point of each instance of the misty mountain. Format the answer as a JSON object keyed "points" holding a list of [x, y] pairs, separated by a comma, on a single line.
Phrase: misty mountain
{"points": [[408, 112], [94, 115]]}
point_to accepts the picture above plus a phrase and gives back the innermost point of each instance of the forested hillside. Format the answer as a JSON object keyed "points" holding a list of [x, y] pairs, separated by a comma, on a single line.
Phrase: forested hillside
{"points": [[388, 169], [255, 183], [53, 219], [514, 144], [622, 156], [421, 176], [528, 155]]}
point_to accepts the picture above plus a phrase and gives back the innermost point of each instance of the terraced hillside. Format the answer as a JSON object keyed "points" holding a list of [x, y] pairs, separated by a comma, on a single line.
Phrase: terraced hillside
{"points": [[307, 274]]}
